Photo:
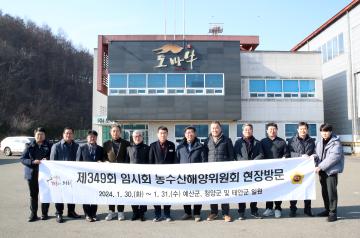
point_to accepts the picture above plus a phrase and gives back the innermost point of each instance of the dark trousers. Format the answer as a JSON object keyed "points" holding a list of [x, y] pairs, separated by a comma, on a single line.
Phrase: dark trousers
{"points": [[34, 197], [90, 210], [307, 205], [197, 209], [60, 208], [224, 207], [253, 207], [270, 205], [120, 208], [139, 210], [158, 210], [329, 191]]}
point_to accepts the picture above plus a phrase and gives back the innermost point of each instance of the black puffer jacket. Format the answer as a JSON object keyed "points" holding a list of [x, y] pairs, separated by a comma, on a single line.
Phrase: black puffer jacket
{"points": [[242, 153], [220, 151], [298, 147], [196, 155]]}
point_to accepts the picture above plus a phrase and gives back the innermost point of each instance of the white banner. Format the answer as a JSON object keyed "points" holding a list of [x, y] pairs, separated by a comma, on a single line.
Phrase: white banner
{"points": [[201, 183]]}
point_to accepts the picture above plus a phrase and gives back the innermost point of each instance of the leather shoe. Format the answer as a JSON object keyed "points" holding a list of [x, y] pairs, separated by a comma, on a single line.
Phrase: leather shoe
{"points": [[332, 217], [44, 217], [59, 218], [73, 215], [33, 218]]}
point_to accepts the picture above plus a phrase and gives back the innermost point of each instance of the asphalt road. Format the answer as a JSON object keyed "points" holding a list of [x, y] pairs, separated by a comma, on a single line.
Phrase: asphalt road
{"points": [[14, 212]]}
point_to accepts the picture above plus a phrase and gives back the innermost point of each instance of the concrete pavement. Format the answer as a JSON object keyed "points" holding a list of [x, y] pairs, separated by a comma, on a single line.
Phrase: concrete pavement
{"points": [[14, 207]]}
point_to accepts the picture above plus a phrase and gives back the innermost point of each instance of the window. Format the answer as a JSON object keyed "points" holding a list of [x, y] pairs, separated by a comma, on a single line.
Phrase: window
{"points": [[225, 129], [332, 48], [323, 51], [176, 80], [307, 86], [137, 80], [194, 80], [118, 81], [329, 50], [335, 47], [341, 43], [286, 88], [290, 130], [214, 81], [273, 86], [166, 84], [239, 130], [257, 85], [291, 86], [156, 81], [312, 130]]}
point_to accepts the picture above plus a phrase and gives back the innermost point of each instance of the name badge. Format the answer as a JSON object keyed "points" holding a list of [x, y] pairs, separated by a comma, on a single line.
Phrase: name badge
{"points": [[171, 150]]}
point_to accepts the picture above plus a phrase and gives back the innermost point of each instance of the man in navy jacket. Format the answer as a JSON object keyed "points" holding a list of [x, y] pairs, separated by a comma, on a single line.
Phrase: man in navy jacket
{"points": [[301, 145], [162, 152], [248, 148], [34, 153], [90, 152], [218, 148], [65, 150], [190, 150]]}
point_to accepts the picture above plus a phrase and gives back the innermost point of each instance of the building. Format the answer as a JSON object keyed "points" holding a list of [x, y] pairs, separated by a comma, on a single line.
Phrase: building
{"points": [[144, 81], [338, 40]]}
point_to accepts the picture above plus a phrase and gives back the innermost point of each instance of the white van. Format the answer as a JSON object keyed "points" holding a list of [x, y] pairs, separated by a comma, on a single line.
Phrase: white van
{"points": [[15, 144]]}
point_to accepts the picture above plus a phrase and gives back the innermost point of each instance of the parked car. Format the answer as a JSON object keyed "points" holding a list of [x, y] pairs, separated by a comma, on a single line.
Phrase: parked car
{"points": [[15, 144]]}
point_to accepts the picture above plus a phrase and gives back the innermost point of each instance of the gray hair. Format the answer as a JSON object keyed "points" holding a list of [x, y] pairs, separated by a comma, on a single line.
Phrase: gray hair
{"points": [[137, 132]]}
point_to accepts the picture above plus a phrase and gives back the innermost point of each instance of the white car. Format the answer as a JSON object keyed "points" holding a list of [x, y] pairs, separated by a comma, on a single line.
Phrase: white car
{"points": [[15, 144]]}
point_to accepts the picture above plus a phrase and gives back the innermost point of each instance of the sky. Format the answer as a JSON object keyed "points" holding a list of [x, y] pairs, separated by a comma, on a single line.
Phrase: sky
{"points": [[280, 24]]}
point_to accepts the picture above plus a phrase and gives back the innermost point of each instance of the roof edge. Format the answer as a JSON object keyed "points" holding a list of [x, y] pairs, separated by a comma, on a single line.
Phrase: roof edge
{"points": [[328, 23]]}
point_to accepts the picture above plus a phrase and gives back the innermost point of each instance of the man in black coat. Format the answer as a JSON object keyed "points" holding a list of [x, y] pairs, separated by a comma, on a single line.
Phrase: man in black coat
{"points": [[218, 148], [32, 156], [301, 145], [273, 147], [248, 148], [138, 153], [90, 152], [162, 152], [190, 150], [65, 150], [115, 152]]}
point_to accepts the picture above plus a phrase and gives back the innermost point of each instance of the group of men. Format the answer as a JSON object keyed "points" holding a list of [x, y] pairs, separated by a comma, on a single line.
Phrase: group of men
{"points": [[327, 155]]}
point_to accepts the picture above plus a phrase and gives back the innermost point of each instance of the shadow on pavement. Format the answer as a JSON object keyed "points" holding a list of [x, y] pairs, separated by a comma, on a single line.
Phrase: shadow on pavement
{"points": [[9, 161]]}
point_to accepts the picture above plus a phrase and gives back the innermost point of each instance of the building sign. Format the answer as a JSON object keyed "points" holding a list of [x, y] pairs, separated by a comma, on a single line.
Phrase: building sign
{"points": [[177, 56]]}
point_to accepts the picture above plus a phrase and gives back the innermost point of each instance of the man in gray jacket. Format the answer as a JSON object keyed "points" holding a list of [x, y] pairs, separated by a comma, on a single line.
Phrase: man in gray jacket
{"points": [[329, 159], [218, 148]]}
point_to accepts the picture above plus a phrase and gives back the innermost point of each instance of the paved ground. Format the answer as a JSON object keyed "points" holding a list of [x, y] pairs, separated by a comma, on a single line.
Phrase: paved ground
{"points": [[14, 213]]}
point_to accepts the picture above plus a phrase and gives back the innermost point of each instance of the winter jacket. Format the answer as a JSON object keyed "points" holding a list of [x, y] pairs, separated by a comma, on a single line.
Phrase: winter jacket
{"points": [[331, 158], [298, 147], [195, 155], [220, 151], [255, 151], [138, 154], [109, 153], [157, 157], [34, 152]]}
